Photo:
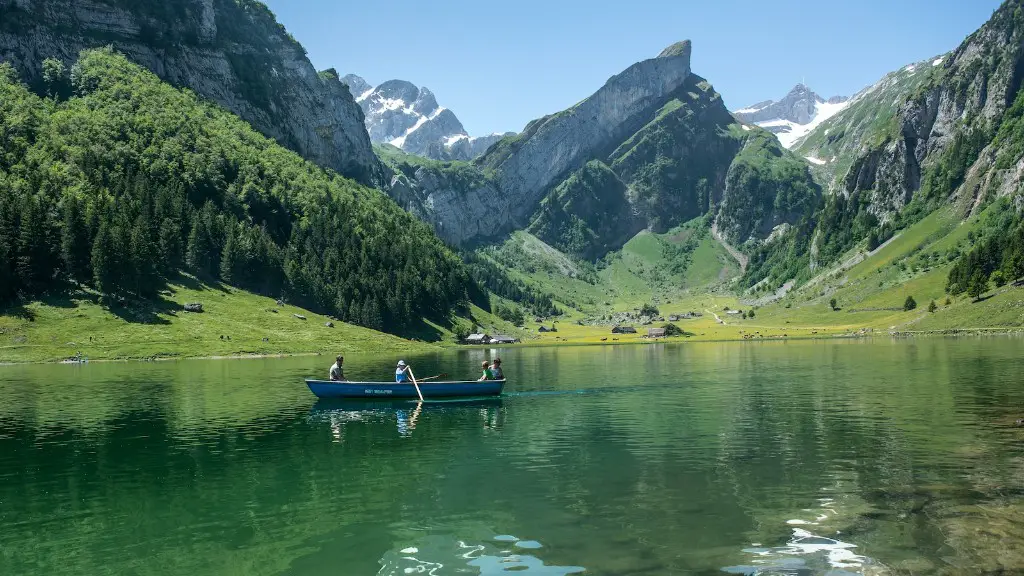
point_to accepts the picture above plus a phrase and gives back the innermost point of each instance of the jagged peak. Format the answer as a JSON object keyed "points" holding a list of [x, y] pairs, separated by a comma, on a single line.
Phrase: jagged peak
{"points": [[683, 48]]}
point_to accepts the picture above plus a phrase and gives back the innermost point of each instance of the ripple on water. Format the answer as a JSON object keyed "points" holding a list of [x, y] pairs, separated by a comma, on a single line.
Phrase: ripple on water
{"points": [[804, 553], [438, 555]]}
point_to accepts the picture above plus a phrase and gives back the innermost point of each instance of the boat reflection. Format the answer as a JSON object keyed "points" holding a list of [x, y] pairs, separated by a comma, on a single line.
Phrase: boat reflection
{"points": [[406, 415]]}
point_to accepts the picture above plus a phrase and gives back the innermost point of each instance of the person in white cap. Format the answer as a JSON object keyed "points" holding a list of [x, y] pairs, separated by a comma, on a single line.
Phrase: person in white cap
{"points": [[402, 372]]}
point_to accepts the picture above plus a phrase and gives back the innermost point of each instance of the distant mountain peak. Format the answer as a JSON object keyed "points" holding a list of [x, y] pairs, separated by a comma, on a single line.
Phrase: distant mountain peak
{"points": [[795, 115], [407, 116]]}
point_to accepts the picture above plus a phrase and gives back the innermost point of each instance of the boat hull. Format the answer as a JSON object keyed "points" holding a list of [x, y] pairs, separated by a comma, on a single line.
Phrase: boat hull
{"points": [[433, 389]]}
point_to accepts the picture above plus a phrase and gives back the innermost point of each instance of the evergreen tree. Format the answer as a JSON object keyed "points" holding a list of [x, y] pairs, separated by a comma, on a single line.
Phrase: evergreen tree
{"points": [[104, 265], [143, 258], [909, 304], [8, 236], [977, 285], [170, 247], [75, 244], [202, 255], [32, 263], [228, 261]]}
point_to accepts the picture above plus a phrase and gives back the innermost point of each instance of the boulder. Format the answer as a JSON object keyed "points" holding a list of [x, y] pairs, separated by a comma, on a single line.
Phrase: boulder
{"points": [[194, 307]]}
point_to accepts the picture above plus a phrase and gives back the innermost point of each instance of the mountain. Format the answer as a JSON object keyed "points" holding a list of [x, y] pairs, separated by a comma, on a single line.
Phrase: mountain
{"points": [[233, 52], [408, 117], [112, 182], [834, 143], [652, 148], [794, 116], [943, 135]]}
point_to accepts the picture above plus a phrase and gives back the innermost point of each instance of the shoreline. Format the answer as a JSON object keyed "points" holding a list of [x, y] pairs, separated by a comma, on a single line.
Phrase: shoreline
{"points": [[954, 332]]}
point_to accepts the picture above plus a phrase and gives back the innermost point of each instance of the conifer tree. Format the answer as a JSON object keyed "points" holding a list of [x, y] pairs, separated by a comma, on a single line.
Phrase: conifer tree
{"points": [[229, 256], [31, 266], [75, 245], [170, 247], [143, 258], [103, 260]]}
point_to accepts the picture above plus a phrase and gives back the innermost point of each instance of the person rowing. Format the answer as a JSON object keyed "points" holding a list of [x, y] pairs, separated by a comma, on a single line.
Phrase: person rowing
{"points": [[402, 372]]}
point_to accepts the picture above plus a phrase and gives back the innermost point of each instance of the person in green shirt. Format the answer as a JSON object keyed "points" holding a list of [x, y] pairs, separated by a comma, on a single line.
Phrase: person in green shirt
{"points": [[486, 366]]}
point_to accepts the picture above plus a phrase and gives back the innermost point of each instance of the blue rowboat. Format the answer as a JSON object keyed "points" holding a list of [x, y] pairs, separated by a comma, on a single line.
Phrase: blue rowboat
{"points": [[431, 389]]}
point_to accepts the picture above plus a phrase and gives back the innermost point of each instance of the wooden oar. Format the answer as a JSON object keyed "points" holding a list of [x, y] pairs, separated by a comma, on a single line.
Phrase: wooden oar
{"points": [[413, 376], [434, 377]]}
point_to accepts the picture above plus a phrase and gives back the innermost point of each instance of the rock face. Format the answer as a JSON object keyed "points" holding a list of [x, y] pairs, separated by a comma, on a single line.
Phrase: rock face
{"points": [[793, 116], [406, 116], [652, 148], [961, 101], [556, 145], [230, 51]]}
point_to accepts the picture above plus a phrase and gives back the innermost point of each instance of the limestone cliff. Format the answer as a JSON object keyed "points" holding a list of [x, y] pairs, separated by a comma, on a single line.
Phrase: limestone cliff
{"points": [[552, 147], [231, 51], [654, 147]]}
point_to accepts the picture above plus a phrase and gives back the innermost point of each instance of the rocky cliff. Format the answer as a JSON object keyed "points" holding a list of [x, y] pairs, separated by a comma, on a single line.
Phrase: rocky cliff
{"points": [[949, 112], [946, 132], [652, 148], [231, 51]]}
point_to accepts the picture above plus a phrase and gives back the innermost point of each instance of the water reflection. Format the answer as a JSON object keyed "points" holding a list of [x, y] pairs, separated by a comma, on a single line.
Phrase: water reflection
{"points": [[440, 556], [405, 414]]}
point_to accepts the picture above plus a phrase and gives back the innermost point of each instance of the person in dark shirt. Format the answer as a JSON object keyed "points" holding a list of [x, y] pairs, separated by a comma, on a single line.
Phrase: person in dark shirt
{"points": [[496, 373]]}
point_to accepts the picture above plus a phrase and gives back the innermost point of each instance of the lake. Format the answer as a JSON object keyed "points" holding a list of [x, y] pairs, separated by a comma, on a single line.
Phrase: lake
{"points": [[811, 457]]}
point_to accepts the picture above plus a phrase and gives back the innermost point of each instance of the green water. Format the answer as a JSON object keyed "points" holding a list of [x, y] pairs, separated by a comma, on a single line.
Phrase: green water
{"points": [[801, 457]]}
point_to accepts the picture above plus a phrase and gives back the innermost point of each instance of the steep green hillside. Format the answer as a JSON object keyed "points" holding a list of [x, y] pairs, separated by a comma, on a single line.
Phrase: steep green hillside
{"points": [[127, 180], [650, 267], [870, 118], [939, 135], [588, 214]]}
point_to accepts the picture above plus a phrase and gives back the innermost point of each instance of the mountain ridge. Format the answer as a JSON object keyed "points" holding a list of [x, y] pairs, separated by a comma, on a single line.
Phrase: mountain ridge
{"points": [[399, 113], [633, 144]]}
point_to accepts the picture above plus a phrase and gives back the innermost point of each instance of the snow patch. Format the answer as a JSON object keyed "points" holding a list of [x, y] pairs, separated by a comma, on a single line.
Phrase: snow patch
{"points": [[451, 140], [364, 95], [749, 110], [937, 61], [816, 161], [822, 112], [910, 68], [437, 112], [392, 103], [400, 141], [745, 127]]}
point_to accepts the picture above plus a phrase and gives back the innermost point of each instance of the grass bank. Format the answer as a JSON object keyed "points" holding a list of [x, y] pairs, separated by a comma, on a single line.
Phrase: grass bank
{"points": [[233, 323]]}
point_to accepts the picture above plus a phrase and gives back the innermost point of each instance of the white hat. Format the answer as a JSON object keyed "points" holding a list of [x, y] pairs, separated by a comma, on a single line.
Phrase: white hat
{"points": [[401, 362]]}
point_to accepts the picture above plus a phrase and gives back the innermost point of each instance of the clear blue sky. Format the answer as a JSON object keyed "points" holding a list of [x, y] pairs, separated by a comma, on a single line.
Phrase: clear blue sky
{"points": [[498, 64]]}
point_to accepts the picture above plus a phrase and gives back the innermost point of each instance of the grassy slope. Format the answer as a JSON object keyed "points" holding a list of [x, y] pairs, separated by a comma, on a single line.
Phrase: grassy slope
{"points": [[54, 330], [870, 293], [913, 264]]}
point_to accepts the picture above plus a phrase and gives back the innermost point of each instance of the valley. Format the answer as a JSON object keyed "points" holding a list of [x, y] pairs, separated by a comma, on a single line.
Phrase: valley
{"points": [[648, 192]]}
